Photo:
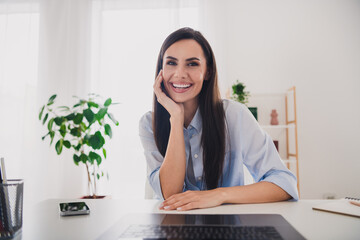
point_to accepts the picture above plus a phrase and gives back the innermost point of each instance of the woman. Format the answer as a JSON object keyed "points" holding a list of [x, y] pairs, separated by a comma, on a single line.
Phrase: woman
{"points": [[196, 144]]}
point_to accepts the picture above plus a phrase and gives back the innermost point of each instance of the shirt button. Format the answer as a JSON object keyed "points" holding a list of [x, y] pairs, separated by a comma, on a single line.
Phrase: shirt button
{"points": [[196, 156], [199, 178]]}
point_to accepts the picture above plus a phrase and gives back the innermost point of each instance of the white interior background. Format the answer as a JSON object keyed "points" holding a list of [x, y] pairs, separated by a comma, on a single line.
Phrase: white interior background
{"points": [[73, 47]]}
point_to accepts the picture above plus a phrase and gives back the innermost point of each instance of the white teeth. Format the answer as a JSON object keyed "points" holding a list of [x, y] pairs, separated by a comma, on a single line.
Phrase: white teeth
{"points": [[181, 85]]}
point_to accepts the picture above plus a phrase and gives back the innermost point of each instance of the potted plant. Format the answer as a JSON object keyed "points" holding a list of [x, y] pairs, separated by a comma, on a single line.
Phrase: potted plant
{"points": [[239, 94], [84, 128]]}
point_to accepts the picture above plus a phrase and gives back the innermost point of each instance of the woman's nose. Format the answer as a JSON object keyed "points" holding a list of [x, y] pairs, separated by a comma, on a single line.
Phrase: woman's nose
{"points": [[180, 72]]}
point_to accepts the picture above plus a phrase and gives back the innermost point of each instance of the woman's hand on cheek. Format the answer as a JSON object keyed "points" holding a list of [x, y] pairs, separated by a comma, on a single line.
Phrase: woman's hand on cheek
{"points": [[174, 109], [192, 200]]}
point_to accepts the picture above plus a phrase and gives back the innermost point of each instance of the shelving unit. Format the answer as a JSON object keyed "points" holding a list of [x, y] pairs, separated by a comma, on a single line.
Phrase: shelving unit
{"points": [[286, 131]]}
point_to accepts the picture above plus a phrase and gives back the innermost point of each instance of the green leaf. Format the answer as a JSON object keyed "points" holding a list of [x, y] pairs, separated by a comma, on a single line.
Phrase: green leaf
{"points": [[86, 139], [51, 99], [50, 124], [67, 144], [80, 103], [77, 147], [107, 102], [64, 108], [84, 158], [41, 112], [91, 160], [96, 141], [83, 127], [108, 130], [75, 132], [50, 103], [45, 118], [59, 120], [45, 136], [98, 161], [94, 156], [76, 159], [101, 114], [78, 118], [63, 130], [70, 117], [98, 176], [52, 135], [113, 119], [59, 146], [104, 152], [92, 104], [89, 115]]}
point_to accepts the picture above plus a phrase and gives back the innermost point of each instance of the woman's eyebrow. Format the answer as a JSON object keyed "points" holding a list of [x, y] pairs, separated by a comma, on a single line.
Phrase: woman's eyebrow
{"points": [[172, 58], [188, 60], [192, 59]]}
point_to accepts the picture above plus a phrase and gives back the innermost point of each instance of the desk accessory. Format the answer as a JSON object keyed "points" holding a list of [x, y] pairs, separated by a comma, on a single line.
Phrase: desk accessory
{"points": [[74, 208], [343, 206], [11, 205], [5, 215]]}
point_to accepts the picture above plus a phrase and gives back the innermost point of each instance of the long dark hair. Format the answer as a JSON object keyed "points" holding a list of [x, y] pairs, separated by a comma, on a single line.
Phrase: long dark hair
{"points": [[210, 106]]}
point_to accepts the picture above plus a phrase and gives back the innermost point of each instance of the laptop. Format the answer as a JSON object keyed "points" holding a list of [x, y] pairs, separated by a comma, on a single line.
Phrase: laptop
{"points": [[197, 226]]}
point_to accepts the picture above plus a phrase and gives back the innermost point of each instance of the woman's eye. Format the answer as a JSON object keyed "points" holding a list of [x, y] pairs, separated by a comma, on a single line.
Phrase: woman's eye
{"points": [[171, 63], [193, 64]]}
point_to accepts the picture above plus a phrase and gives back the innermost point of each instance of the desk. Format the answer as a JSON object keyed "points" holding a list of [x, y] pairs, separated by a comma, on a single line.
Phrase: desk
{"points": [[44, 222]]}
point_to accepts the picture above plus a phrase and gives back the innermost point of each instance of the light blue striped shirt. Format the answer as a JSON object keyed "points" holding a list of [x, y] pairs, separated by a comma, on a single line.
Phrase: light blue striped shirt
{"points": [[247, 144]]}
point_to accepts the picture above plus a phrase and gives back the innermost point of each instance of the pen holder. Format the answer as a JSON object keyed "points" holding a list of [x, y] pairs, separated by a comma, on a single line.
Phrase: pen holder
{"points": [[11, 208]]}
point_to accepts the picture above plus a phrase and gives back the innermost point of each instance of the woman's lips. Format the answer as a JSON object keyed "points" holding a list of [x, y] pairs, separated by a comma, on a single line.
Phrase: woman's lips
{"points": [[180, 87]]}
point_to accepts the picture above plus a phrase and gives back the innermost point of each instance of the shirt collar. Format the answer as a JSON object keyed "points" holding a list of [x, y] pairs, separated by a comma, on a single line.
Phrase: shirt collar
{"points": [[196, 122]]}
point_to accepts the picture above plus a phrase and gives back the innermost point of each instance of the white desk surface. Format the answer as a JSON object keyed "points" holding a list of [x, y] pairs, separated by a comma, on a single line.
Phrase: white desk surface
{"points": [[44, 222]]}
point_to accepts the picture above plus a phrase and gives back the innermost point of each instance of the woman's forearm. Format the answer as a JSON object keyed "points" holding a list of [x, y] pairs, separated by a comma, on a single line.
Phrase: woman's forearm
{"points": [[260, 192], [172, 171]]}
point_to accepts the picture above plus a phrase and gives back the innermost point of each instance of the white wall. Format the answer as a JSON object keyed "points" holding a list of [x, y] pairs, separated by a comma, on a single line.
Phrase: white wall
{"points": [[314, 45], [268, 45]]}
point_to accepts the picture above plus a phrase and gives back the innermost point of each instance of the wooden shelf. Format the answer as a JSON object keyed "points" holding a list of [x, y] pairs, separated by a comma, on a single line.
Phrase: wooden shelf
{"points": [[290, 125]]}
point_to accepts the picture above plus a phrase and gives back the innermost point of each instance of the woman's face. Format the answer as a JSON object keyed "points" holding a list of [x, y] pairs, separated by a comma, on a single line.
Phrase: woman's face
{"points": [[184, 71]]}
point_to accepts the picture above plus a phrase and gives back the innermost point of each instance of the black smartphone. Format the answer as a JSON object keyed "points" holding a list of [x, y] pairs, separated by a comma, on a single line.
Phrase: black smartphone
{"points": [[74, 208]]}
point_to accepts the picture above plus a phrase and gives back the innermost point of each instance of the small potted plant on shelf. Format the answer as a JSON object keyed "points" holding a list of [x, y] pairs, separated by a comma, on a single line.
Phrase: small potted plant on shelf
{"points": [[84, 128], [239, 94]]}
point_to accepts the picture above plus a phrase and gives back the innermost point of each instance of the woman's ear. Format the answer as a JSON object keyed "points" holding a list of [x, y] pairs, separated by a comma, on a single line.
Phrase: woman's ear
{"points": [[207, 76]]}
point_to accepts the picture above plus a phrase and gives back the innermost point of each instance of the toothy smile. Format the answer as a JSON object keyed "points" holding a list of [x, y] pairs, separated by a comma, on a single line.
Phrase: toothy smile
{"points": [[181, 86]]}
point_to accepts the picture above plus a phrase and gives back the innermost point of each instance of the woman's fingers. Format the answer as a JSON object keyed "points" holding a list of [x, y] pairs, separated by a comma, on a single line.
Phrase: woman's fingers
{"points": [[177, 201], [174, 109], [161, 96], [157, 86], [191, 200]]}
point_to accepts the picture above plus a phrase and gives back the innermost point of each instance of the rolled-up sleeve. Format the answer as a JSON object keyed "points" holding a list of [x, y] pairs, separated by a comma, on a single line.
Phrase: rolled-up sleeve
{"points": [[261, 157], [153, 157]]}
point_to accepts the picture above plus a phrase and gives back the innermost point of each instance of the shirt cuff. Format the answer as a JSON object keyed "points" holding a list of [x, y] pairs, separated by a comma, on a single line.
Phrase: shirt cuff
{"points": [[154, 180], [287, 183]]}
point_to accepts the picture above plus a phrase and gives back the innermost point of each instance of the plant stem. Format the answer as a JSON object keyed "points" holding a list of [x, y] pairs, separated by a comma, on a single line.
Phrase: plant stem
{"points": [[89, 180], [94, 181]]}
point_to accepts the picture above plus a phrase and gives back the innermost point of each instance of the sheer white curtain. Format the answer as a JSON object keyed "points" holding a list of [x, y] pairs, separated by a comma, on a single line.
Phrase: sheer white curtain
{"points": [[19, 37], [73, 47]]}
